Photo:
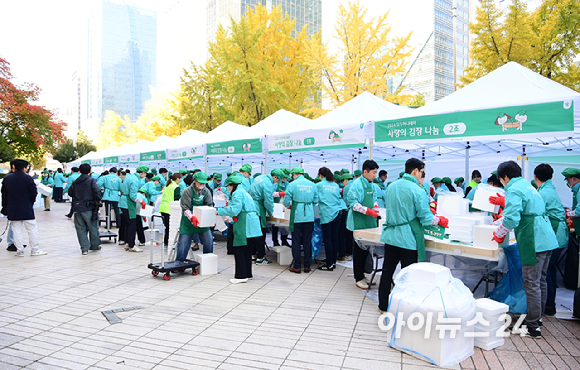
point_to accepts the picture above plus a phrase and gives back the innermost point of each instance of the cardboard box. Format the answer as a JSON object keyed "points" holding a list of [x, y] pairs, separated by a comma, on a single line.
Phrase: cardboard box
{"points": [[482, 235], [208, 263], [481, 200], [205, 215]]}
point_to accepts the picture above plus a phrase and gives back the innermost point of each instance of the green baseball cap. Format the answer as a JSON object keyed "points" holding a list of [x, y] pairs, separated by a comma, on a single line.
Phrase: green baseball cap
{"points": [[297, 170], [343, 171], [217, 176], [144, 191], [436, 180], [569, 172], [155, 178], [337, 177], [278, 173], [182, 171], [357, 172], [347, 176], [458, 180], [233, 180], [200, 177], [228, 174], [154, 171], [446, 180], [257, 174], [142, 168], [246, 168], [286, 171]]}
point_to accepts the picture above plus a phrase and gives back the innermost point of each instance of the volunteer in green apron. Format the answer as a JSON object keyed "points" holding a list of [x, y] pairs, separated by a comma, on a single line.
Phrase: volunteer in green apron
{"points": [[557, 215], [345, 246], [279, 192], [195, 195], [300, 197], [525, 213], [246, 227], [329, 210], [262, 192], [128, 206], [46, 181], [361, 199], [572, 176], [408, 212]]}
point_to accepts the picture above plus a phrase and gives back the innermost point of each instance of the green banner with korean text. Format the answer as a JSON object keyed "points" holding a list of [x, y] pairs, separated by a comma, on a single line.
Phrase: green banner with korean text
{"points": [[335, 138], [555, 118], [153, 156], [110, 160], [188, 152], [248, 146], [129, 158]]}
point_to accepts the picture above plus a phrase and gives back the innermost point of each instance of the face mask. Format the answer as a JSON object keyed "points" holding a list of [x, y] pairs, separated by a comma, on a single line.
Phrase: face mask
{"points": [[200, 186]]}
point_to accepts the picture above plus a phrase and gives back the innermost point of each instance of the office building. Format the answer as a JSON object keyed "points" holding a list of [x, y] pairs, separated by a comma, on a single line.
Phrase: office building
{"points": [[121, 57]]}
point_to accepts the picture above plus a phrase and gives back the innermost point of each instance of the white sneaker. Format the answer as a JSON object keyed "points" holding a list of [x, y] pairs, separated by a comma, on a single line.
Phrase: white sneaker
{"points": [[362, 284], [141, 244], [19, 253], [122, 243], [368, 281], [37, 252], [238, 281], [135, 249]]}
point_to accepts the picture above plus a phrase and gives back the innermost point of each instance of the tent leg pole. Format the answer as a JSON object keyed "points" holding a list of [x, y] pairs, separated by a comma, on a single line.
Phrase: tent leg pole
{"points": [[371, 143], [467, 164], [266, 163], [358, 164], [205, 160]]}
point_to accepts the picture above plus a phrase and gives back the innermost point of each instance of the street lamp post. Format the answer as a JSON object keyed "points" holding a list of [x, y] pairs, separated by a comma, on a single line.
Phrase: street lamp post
{"points": [[454, 9]]}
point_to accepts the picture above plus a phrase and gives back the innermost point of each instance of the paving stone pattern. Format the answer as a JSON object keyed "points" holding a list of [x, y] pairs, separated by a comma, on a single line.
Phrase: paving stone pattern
{"points": [[50, 316]]}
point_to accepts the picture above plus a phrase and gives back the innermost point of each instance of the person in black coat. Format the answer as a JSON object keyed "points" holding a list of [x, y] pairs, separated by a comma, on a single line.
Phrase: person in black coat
{"points": [[86, 197], [18, 197]]}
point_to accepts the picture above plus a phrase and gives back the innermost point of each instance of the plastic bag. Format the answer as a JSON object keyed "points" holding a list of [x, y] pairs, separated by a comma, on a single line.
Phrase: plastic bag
{"points": [[421, 291], [510, 289], [316, 238]]}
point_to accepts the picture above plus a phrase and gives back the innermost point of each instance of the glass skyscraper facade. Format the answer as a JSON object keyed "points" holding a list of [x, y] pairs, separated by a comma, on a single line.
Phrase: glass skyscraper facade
{"points": [[303, 12], [121, 61], [431, 72]]}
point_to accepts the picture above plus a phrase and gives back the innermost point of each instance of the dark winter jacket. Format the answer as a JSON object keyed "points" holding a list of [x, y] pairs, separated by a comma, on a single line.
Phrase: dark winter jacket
{"points": [[18, 196], [85, 193]]}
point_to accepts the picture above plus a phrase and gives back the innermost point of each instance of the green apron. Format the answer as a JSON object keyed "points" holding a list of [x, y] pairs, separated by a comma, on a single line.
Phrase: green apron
{"points": [[364, 221], [417, 229], [185, 227], [239, 228], [131, 207], [556, 225], [293, 212], [576, 220], [526, 241], [262, 213]]}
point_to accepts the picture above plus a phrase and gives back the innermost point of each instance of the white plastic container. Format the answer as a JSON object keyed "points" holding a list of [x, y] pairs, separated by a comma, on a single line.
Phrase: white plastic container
{"points": [[147, 212], [208, 263], [205, 215], [481, 198], [44, 190], [482, 235], [278, 210], [287, 213], [452, 205], [283, 255]]}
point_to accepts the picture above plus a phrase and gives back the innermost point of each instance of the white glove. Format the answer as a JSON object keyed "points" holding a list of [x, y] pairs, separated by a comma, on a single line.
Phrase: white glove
{"points": [[501, 231], [188, 214], [435, 221], [498, 222], [359, 208]]}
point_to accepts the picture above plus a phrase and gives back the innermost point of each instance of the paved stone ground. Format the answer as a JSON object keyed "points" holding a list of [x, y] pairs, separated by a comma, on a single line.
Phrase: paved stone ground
{"points": [[50, 317]]}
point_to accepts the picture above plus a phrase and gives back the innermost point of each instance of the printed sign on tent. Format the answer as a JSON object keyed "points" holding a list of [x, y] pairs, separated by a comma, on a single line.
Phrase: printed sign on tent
{"points": [[86, 161], [248, 146], [109, 160], [188, 152], [555, 118], [97, 162], [334, 138], [129, 158], [153, 156]]}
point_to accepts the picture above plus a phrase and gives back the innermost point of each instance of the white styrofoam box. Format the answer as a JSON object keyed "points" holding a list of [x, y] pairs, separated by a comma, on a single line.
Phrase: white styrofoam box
{"points": [[464, 237], [482, 235], [488, 345], [481, 200], [205, 215], [283, 255], [147, 212], [450, 205], [484, 217], [430, 273], [491, 308], [278, 210], [456, 227], [494, 325], [44, 190], [382, 213], [465, 220], [316, 211], [287, 213], [208, 263]]}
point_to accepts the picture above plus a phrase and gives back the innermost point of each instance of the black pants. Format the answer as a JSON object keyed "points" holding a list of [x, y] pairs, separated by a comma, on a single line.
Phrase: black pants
{"points": [[130, 227], [393, 255], [359, 260], [342, 234], [302, 237], [275, 235], [330, 234], [243, 259], [115, 205], [70, 213], [259, 246], [139, 228], [165, 217], [57, 194], [230, 240]]}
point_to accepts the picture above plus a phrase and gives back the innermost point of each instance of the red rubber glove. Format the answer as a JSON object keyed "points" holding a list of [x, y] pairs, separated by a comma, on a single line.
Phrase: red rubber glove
{"points": [[497, 239], [194, 221], [140, 201], [219, 189], [443, 221], [498, 201], [281, 194], [235, 218], [145, 219], [571, 213], [372, 212]]}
